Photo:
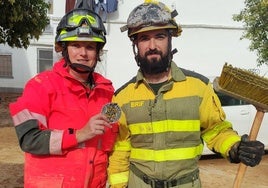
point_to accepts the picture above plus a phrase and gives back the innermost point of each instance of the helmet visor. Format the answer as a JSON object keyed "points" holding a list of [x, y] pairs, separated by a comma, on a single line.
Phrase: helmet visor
{"points": [[77, 17]]}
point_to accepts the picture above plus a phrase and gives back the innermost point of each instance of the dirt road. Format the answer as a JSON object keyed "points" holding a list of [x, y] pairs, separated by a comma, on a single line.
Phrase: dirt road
{"points": [[219, 173]]}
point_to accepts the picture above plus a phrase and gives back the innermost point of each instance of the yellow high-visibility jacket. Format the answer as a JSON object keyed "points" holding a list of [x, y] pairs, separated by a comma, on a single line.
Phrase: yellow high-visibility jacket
{"points": [[163, 134]]}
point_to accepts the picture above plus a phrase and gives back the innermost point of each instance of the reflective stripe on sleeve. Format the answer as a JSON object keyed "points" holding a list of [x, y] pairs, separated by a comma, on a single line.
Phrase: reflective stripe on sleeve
{"points": [[122, 146], [56, 142], [26, 115], [118, 178], [227, 144], [209, 135]]}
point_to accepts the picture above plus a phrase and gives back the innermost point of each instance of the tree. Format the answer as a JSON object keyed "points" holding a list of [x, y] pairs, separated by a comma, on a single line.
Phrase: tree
{"points": [[21, 21], [255, 19]]}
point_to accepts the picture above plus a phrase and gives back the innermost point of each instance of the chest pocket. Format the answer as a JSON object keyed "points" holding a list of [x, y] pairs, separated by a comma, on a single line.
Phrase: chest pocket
{"points": [[139, 121], [186, 108]]}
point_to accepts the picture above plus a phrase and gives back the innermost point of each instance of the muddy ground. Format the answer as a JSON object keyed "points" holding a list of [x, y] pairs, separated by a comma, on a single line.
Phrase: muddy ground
{"points": [[215, 172]]}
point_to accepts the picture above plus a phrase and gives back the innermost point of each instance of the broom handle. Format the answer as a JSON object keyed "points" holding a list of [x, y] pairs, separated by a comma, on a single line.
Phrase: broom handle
{"points": [[252, 136]]}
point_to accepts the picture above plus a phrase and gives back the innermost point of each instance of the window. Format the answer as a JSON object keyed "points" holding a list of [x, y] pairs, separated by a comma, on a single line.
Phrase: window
{"points": [[48, 30], [44, 59], [50, 11], [5, 66], [227, 100]]}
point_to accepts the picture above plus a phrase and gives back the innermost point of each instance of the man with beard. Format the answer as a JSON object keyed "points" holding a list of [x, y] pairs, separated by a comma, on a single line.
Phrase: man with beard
{"points": [[168, 112]]}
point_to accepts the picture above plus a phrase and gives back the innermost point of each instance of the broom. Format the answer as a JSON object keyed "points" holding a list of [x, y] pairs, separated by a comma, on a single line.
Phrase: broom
{"points": [[249, 87]]}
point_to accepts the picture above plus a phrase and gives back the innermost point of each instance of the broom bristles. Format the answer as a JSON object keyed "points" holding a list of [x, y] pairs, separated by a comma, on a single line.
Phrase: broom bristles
{"points": [[244, 85]]}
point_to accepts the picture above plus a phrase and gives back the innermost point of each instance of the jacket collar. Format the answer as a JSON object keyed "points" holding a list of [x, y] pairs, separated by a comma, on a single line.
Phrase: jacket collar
{"points": [[100, 81]]}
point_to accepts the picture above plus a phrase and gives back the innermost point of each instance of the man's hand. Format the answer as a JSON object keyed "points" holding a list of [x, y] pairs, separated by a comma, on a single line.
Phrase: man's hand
{"points": [[248, 152]]}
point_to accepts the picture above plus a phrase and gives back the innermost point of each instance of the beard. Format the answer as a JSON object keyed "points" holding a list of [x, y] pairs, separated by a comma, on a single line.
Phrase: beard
{"points": [[153, 66]]}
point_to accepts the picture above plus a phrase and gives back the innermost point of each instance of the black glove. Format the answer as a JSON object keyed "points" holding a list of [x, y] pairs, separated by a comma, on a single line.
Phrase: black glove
{"points": [[247, 152]]}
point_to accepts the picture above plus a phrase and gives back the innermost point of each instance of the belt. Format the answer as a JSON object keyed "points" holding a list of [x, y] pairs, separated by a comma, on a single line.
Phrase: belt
{"points": [[156, 183]]}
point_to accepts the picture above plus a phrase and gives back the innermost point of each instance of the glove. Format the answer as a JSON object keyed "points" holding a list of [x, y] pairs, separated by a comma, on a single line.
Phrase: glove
{"points": [[248, 152]]}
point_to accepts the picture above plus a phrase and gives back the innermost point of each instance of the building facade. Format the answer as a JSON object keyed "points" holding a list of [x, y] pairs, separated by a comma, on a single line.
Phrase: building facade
{"points": [[210, 38]]}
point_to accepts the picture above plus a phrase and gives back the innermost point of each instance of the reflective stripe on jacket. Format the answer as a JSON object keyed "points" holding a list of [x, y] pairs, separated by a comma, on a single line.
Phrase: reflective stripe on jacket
{"points": [[55, 102], [167, 129]]}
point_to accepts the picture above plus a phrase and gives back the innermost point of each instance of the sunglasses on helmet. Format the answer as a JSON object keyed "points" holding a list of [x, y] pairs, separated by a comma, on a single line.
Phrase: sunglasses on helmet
{"points": [[77, 17]]}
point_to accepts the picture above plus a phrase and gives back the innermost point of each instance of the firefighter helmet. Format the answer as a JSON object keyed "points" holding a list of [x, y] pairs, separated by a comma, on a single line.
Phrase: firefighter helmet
{"points": [[151, 15], [80, 25]]}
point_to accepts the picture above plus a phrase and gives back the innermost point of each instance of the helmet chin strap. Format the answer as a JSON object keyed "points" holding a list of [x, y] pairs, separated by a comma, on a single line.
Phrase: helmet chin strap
{"points": [[135, 53], [83, 69], [79, 68]]}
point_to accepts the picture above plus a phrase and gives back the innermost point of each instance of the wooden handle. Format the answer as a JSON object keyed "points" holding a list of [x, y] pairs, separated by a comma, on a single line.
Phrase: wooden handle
{"points": [[252, 136]]}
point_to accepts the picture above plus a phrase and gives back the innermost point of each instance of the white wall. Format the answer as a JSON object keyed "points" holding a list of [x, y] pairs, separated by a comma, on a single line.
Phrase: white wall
{"points": [[209, 39], [24, 62], [58, 8]]}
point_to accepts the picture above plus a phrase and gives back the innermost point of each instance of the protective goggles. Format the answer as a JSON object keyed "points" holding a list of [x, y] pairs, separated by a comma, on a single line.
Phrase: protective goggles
{"points": [[77, 17]]}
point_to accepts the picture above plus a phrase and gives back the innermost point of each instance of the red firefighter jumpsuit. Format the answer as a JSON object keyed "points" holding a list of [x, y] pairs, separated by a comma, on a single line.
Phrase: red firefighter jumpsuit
{"points": [[52, 106]]}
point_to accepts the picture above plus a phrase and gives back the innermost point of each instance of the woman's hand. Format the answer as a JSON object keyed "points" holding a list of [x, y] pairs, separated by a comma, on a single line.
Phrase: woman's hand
{"points": [[95, 126]]}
